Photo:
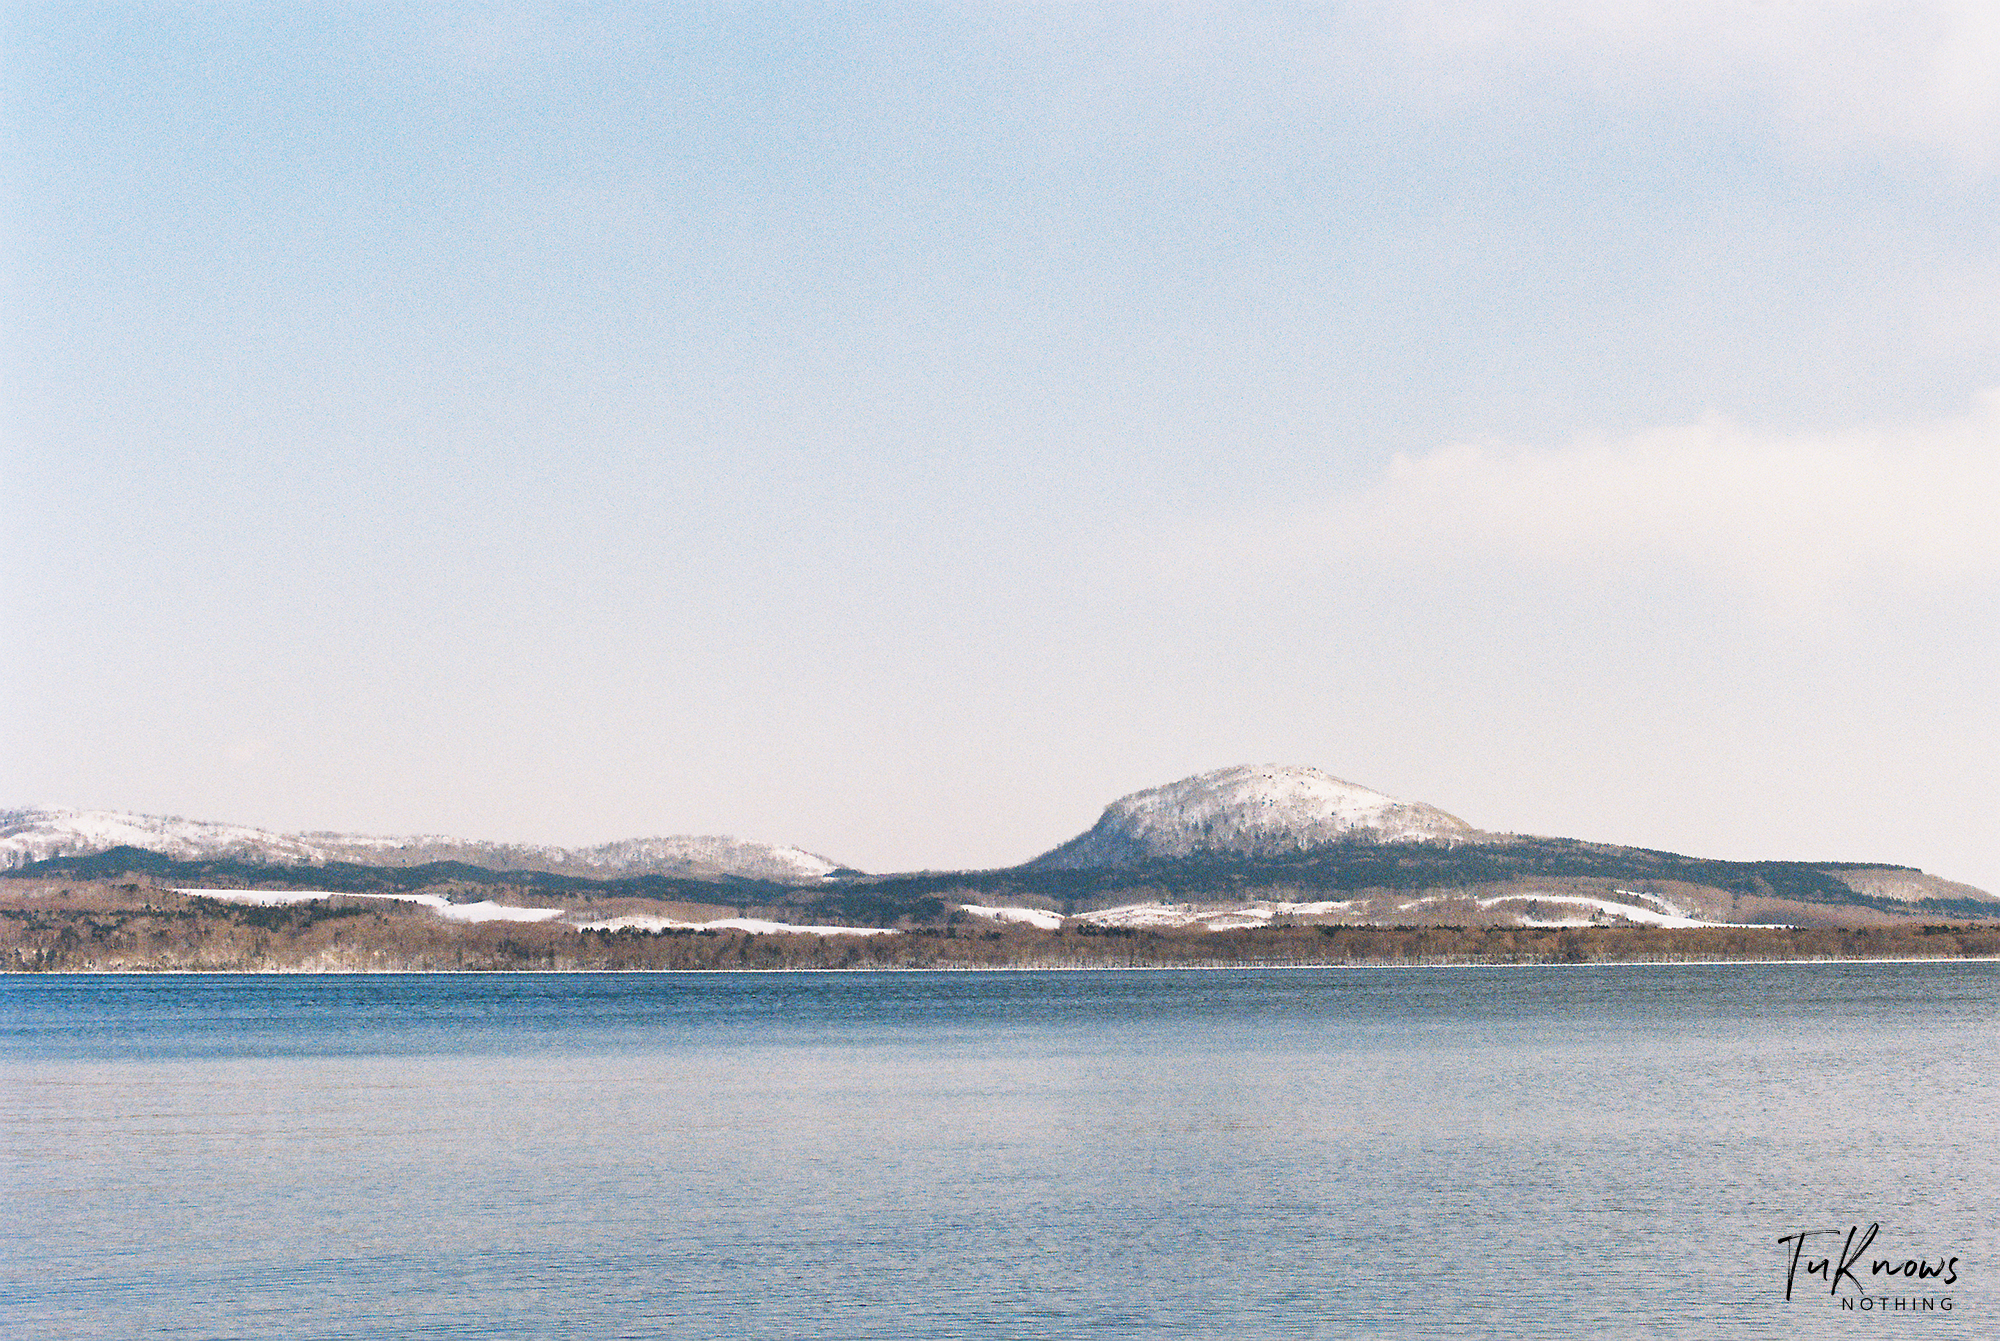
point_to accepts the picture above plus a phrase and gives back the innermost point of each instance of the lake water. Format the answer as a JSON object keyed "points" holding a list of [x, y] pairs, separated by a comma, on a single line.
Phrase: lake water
{"points": [[1456, 1152]]}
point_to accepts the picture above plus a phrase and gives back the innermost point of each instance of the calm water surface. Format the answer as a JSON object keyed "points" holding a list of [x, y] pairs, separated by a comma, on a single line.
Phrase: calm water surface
{"points": [[1538, 1152]]}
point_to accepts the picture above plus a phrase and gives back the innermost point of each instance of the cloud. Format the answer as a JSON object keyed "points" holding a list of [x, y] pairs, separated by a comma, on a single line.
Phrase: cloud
{"points": [[1785, 518], [1843, 74]]}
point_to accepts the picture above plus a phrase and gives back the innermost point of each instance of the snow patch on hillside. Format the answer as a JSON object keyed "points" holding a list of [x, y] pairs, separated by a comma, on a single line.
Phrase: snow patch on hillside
{"points": [[1906, 886], [1034, 917], [1260, 913], [1667, 915], [733, 856], [488, 911], [484, 911], [755, 925]]}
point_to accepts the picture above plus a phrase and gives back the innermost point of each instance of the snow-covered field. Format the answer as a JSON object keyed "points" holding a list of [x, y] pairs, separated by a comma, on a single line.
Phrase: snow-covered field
{"points": [[1262, 913], [1589, 911], [755, 925], [488, 911], [1666, 915], [1258, 914], [1034, 917], [484, 911]]}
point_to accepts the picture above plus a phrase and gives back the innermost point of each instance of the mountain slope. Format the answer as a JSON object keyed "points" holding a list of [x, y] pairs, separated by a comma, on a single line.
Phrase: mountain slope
{"points": [[37, 835], [1285, 840], [1251, 811]]}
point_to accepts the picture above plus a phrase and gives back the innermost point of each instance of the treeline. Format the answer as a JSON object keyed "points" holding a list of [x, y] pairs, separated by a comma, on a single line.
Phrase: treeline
{"points": [[857, 903], [347, 877], [1343, 868], [136, 929], [1339, 870]]}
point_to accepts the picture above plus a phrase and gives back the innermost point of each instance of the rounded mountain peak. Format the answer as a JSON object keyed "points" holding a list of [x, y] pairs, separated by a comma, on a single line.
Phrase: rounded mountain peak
{"points": [[1251, 810]]}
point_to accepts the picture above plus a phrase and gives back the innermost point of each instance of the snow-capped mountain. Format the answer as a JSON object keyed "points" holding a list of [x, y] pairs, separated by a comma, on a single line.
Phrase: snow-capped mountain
{"points": [[34, 835], [1251, 811]]}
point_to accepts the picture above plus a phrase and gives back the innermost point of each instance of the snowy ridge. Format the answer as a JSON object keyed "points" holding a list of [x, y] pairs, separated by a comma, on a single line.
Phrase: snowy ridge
{"points": [[701, 857], [36, 835], [1251, 811], [731, 855]]}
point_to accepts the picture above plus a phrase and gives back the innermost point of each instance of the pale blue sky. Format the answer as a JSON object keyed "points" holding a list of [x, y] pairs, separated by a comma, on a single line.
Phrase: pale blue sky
{"points": [[897, 434]]}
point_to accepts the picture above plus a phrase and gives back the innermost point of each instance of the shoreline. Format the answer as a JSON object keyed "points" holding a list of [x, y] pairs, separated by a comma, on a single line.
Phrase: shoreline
{"points": [[1365, 965], [129, 933]]}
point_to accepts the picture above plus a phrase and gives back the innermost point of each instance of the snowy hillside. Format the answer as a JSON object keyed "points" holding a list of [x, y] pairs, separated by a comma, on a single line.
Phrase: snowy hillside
{"points": [[701, 858], [1251, 811], [1906, 886], [34, 835]]}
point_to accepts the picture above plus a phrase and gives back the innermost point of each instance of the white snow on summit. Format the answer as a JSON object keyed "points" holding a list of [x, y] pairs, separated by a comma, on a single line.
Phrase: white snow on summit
{"points": [[698, 857], [36, 835], [733, 856], [1251, 811]]}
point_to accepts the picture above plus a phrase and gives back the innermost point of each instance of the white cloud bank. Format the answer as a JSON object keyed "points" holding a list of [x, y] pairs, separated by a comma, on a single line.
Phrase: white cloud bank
{"points": [[1847, 74], [1779, 517]]}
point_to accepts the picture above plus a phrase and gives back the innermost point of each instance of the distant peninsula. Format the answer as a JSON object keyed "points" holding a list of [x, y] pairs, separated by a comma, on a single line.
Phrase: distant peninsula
{"points": [[1267, 864]]}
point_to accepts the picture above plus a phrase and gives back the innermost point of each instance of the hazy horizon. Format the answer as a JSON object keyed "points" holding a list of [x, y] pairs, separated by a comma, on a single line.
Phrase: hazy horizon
{"points": [[898, 435]]}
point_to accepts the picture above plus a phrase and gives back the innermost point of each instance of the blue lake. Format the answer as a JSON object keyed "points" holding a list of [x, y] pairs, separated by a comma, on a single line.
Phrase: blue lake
{"points": [[1423, 1152]]}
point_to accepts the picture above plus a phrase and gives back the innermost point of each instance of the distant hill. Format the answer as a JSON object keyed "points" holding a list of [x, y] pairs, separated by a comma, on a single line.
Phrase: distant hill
{"points": [[37, 835], [1250, 811], [1472, 883], [1244, 846]]}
